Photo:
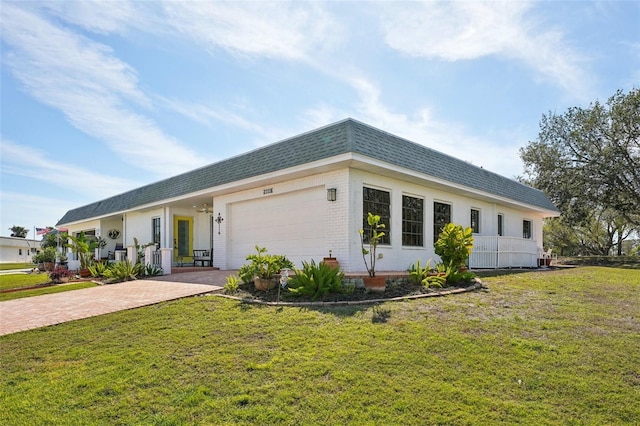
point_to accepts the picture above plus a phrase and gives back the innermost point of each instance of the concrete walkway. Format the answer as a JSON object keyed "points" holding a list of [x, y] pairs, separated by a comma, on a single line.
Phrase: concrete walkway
{"points": [[40, 311]]}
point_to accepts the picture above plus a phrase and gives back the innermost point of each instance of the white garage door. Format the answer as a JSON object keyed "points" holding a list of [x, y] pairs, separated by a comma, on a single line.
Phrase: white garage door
{"points": [[293, 224]]}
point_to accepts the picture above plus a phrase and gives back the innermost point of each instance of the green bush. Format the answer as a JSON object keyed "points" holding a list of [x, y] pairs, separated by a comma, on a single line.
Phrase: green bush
{"points": [[98, 269], [418, 273], [435, 280], [246, 274], [232, 284], [439, 276], [152, 271], [454, 245], [123, 271], [263, 265], [455, 276], [316, 280], [47, 255]]}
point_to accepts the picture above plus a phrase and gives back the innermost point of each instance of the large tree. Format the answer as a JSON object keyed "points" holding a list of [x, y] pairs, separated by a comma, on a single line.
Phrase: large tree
{"points": [[54, 238], [588, 159], [601, 234]]}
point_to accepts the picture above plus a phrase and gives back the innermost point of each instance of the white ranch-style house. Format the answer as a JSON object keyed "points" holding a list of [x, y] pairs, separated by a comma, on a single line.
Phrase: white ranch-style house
{"points": [[18, 250], [306, 197]]}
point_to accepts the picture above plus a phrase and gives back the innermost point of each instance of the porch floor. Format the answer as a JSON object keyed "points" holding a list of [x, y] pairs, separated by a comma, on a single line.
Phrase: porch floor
{"points": [[182, 269]]}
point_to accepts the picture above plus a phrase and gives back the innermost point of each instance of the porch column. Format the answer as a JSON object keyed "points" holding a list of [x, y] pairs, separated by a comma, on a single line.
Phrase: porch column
{"points": [[132, 254], [167, 259], [148, 255]]}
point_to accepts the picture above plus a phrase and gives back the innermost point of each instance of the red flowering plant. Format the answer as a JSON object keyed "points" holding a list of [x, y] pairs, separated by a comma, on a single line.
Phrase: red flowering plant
{"points": [[60, 275]]}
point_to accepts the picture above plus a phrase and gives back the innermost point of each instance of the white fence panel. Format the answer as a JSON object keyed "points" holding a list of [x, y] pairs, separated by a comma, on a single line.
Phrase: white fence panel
{"points": [[503, 252], [485, 253]]}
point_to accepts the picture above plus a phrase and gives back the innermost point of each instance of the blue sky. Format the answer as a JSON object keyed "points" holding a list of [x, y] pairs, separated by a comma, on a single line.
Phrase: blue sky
{"points": [[101, 97]]}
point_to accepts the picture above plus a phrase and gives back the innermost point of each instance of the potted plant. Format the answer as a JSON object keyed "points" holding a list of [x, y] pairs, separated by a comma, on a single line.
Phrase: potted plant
{"points": [[99, 245], [46, 259], [331, 261], [372, 237], [82, 247], [264, 268], [62, 259]]}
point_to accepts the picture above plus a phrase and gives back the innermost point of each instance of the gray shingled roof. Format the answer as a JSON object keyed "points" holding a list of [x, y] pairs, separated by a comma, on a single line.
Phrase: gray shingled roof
{"points": [[343, 137]]}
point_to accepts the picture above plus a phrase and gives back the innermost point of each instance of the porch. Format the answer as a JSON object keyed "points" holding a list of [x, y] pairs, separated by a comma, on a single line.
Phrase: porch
{"points": [[190, 268]]}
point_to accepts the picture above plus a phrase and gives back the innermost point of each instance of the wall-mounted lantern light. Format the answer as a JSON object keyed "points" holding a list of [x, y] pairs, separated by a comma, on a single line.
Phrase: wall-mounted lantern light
{"points": [[219, 220], [332, 194]]}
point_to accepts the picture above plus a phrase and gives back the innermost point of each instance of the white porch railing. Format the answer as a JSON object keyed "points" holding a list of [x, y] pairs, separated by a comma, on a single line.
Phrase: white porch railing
{"points": [[493, 252], [153, 257], [159, 258]]}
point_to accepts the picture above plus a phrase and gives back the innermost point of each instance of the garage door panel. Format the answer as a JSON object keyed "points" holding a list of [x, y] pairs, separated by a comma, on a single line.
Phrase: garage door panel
{"points": [[292, 224]]}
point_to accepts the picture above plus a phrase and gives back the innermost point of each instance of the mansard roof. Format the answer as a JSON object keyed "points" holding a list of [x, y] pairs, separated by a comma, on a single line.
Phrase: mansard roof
{"points": [[343, 137]]}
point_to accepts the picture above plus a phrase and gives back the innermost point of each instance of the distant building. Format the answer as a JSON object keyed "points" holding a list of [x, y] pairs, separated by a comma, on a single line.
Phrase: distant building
{"points": [[18, 250]]}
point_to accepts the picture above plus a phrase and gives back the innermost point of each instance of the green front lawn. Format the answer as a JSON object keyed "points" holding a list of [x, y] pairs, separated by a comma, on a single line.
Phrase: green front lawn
{"points": [[16, 281], [9, 281], [556, 347], [9, 266], [46, 290]]}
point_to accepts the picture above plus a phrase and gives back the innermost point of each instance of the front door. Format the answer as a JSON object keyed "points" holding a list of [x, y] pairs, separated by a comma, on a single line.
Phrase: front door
{"points": [[182, 239]]}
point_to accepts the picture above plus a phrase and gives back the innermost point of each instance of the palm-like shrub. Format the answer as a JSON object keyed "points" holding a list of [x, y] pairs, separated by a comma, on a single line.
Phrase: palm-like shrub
{"points": [[264, 265], [98, 269], [417, 273], [151, 270], [123, 271], [316, 280], [232, 284]]}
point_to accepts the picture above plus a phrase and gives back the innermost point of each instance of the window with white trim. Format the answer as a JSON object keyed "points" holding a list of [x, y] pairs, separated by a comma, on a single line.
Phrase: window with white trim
{"points": [[475, 221], [155, 230], [377, 202], [527, 229], [441, 216], [412, 221]]}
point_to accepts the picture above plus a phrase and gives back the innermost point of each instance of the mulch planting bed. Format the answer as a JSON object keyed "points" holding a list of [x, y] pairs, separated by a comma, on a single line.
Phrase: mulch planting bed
{"points": [[396, 289]]}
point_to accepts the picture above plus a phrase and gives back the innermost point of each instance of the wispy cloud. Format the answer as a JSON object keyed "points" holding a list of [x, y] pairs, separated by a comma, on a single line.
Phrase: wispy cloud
{"points": [[207, 114], [92, 87], [98, 16], [31, 163], [285, 30], [423, 127], [465, 30]]}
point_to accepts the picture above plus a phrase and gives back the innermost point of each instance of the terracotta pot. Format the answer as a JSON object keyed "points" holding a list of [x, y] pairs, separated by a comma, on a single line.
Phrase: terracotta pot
{"points": [[263, 284], [84, 273], [331, 261], [377, 284]]}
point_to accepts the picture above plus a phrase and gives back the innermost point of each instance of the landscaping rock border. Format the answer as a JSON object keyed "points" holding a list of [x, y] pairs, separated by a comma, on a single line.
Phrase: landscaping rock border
{"points": [[476, 285]]}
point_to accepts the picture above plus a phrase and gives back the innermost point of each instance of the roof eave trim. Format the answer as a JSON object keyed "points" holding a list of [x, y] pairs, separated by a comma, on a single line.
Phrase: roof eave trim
{"points": [[395, 169]]}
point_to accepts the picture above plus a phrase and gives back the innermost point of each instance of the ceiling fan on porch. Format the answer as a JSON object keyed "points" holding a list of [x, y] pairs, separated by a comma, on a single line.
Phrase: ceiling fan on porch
{"points": [[204, 209]]}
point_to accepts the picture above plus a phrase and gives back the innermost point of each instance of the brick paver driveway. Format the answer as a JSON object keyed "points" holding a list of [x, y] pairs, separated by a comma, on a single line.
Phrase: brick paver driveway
{"points": [[39, 311]]}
